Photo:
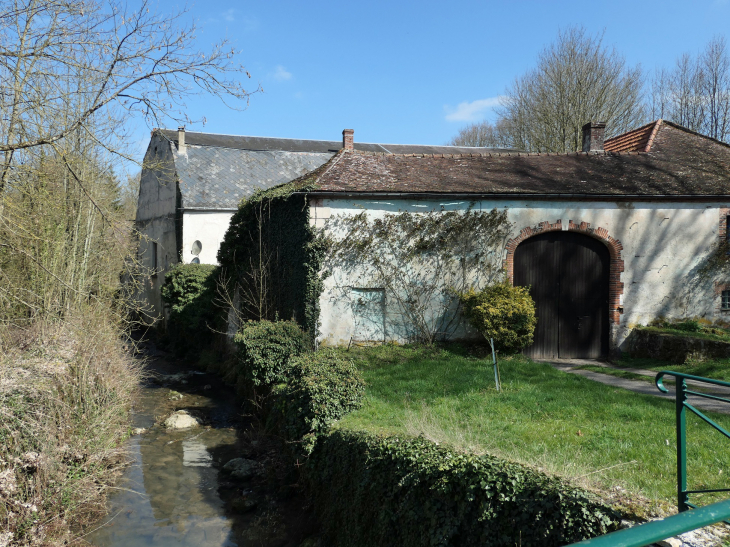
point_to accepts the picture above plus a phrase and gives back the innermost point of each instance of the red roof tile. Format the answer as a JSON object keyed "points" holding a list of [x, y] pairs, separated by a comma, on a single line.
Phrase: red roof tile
{"points": [[638, 140]]}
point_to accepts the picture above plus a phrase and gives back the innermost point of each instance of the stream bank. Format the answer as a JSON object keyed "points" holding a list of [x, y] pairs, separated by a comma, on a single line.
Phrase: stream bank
{"points": [[176, 492]]}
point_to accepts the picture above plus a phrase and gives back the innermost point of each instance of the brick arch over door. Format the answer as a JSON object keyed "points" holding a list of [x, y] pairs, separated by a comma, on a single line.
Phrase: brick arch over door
{"points": [[610, 249]]}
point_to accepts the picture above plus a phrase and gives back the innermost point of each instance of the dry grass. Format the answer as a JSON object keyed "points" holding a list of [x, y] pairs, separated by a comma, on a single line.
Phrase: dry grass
{"points": [[65, 392]]}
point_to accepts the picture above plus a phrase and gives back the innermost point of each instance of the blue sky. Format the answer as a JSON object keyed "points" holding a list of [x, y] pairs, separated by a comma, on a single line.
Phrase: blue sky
{"points": [[415, 72]]}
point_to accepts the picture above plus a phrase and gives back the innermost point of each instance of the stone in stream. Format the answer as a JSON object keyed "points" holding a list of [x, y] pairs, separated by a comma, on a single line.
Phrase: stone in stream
{"points": [[242, 469], [181, 420]]}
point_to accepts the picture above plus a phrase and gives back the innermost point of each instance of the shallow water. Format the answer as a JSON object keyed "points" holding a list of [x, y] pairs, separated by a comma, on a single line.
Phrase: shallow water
{"points": [[172, 493]]}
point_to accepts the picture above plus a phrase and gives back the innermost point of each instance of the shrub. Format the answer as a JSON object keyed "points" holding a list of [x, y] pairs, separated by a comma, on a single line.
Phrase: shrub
{"points": [[687, 326], [265, 349], [322, 387], [189, 290], [411, 492], [502, 312]]}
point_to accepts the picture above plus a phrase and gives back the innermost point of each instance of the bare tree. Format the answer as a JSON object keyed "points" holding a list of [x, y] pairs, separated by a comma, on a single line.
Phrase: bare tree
{"points": [[138, 61], [74, 74], [482, 134], [577, 79], [696, 93]]}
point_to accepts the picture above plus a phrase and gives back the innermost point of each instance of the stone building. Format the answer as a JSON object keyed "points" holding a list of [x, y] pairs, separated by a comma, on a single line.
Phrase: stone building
{"points": [[192, 183], [608, 238]]}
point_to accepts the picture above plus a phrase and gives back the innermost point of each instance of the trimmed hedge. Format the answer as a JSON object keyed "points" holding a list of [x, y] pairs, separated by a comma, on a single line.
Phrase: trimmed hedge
{"points": [[380, 491], [265, 349], [322, 388], [189, 290], [502, 312]]}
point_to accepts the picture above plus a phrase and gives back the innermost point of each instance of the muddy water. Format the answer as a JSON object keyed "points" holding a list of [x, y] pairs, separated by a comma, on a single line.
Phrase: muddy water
{"points": [[174, 493]]}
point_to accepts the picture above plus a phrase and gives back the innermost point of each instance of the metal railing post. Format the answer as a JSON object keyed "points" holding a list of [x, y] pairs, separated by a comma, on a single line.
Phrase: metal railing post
{"points": [[680, 398]]}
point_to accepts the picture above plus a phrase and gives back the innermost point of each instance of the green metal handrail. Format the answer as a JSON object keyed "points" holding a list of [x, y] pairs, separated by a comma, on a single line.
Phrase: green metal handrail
{"points": [[651, 532], [681, 406]]}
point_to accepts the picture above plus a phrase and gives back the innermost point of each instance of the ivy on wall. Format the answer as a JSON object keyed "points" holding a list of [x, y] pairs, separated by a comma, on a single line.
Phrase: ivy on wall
{"points": [[272, 258], [423, 261]]}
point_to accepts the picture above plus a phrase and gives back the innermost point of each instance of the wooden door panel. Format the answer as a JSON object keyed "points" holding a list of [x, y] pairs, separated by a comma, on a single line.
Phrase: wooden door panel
{"points": [[568, 275]]}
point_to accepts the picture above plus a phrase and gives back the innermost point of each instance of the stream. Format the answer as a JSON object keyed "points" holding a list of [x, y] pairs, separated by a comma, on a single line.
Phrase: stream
{"points": [[175, 493]]}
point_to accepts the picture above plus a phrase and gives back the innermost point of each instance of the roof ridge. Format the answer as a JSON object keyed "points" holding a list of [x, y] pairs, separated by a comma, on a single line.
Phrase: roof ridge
{"points": [[499, 154], [650, 142]]}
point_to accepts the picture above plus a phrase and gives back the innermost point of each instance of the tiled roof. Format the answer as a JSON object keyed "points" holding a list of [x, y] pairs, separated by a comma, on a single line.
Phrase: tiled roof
{"points": [[217, 178], [217, 171], [680, 163], [638, 140]]}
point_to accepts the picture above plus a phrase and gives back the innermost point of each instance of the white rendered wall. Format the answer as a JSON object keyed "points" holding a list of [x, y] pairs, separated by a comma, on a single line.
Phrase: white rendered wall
{"points": [[207, 227], [664, 247]]}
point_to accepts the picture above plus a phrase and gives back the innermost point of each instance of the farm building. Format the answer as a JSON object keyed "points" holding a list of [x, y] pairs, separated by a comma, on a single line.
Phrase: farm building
{"points": [[192, 183], [607, 238]]}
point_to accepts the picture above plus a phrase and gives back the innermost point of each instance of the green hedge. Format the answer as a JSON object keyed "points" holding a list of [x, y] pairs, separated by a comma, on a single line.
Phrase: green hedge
{"points": [[322, 388], [381, 491], [265, 348], [190, 290], [502, 312]]}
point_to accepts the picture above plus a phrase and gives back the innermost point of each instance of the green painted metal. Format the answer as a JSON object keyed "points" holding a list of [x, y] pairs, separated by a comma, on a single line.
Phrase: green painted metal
{"points": [[651, 532], [681, 407]]}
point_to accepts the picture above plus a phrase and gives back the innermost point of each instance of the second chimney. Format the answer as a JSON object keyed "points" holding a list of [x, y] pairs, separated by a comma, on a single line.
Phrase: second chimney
{"points": [[348, 139], [593, 135], [181, 139]]}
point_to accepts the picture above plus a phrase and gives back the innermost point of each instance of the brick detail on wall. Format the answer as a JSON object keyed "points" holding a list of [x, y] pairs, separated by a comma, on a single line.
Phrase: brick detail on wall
{"points": [[616, 266], [722, 232]]}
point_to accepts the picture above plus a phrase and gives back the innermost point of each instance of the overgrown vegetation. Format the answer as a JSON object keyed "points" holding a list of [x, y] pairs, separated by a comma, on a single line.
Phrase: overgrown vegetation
{"points": [[591, 434], [265, 349], [322, 387], [422, 261], [413, 492], [272, 259], [190, 290], [65, 391], [502, 312]]}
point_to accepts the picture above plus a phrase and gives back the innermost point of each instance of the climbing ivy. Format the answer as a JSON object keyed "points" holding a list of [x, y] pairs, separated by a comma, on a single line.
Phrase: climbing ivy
{"points": [[271, 258], [422, 261]]}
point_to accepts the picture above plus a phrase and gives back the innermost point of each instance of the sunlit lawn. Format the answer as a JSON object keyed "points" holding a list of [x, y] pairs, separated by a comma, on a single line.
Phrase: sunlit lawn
{"points": [[562, 423]]}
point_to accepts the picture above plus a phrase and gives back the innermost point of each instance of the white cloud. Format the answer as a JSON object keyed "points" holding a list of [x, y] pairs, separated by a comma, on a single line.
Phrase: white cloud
{"points": [[229, 15], [281, 74], [473, 111]]}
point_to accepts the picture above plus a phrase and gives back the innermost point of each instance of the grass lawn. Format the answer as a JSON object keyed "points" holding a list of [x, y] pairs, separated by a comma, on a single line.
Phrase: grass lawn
{"points": [[562, 423]]}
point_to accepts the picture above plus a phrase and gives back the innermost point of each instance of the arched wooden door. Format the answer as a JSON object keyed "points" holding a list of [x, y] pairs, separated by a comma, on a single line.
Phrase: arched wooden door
{"points": [[568, 274]]}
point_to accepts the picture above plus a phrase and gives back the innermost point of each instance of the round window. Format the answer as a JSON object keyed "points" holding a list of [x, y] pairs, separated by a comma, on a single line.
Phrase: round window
{"points": [[196, 248], [195, 260]]}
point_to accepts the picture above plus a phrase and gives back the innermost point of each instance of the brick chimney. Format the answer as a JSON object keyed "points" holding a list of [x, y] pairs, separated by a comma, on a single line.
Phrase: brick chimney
{"points": [[181, 139], [348, 139], [593, 135]]}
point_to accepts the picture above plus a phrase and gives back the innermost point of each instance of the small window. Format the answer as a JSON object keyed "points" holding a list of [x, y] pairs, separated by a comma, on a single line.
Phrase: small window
{"points": [[725, 300]]}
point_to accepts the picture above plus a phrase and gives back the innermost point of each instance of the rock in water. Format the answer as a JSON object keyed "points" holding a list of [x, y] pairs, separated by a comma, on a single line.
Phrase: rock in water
{"points": [[181, 420], [242, 469]]}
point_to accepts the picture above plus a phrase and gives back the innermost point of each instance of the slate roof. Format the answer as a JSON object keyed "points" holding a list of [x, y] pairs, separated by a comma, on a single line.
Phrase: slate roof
{"points": [[217, 178], [679, 163], [216, 171]]}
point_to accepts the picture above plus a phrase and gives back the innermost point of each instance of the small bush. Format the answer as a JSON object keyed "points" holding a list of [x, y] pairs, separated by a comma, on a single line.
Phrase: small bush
{"points": [[264, 349], [688, 326], [322, 388], [189, 290], [412, 492], [502, 312]]}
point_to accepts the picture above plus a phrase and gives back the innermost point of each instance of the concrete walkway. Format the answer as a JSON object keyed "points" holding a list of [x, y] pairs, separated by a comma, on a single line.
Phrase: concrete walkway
{"points": [[638, 386]]}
